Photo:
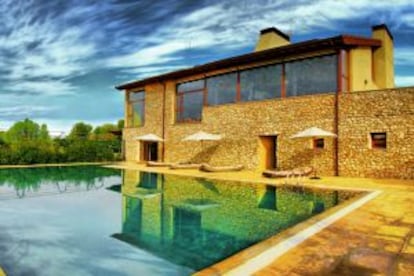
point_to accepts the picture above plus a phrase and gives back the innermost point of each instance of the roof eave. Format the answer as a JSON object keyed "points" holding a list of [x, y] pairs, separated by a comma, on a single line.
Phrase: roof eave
{"points": [[336, 42]]}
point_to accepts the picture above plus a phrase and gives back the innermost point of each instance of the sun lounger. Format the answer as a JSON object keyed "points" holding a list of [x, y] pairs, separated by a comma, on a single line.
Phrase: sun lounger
{"points": [[208, 168], [288, 173], [179, 166], [158, 164], [304, 171], [277, 174]]}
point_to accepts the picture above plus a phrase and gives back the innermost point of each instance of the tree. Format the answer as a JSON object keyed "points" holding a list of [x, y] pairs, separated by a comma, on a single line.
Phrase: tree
{"points": [[23, 131], [2, 138], [28, 143], [105, 132], [120, 124], [44, 133], [80, 131]]}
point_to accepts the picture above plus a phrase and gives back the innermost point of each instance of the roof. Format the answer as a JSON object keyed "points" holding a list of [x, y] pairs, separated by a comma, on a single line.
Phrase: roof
{"points": [[337, 42]]}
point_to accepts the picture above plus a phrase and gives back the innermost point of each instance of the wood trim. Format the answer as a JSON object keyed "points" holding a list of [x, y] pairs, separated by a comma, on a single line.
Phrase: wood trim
{"points": [[361, 41], [190, 92], [339, 72], [283, 82], [205, 94]]}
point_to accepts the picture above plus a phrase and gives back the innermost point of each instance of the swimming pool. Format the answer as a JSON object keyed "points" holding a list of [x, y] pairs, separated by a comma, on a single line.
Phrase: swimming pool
{"points": [[96, 221]]}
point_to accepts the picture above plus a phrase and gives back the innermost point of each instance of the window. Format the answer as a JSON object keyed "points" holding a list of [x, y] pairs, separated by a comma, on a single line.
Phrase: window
{"points": [[308, 76], [379, 140], [190, 98], [222, 89], [136, 109], [311, 76], [318, 143], [261, 83]]}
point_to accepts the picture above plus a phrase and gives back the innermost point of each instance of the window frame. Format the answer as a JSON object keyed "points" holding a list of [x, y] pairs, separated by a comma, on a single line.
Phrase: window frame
{"points": [[278, 78], [341, 84], [286, 78], [318, 143], [179, 102], [376, 143], [237, 87], [130, 108]]}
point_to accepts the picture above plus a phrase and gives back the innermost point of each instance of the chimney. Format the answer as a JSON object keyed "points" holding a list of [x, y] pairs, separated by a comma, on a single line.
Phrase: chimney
{"points": [[271, 38], [383, 57]]}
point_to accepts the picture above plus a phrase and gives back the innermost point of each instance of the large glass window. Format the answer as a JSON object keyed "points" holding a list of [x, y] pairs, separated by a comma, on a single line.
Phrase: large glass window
{"points": [[261, 83], [222, 89], [136, 109], [308, 76], [311, 76], [190, 96]]}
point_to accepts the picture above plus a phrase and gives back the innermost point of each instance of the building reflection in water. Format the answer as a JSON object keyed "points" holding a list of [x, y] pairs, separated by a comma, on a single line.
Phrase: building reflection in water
{"points": [[196, 222]]}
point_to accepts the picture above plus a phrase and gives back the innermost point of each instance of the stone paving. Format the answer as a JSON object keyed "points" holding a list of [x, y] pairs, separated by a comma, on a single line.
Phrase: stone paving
{"points": [[376, 239]]}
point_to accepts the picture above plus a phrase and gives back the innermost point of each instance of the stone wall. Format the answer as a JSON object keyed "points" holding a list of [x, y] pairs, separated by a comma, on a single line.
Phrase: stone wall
{"points": [[242, 124], [153, 122], [390, 111]]}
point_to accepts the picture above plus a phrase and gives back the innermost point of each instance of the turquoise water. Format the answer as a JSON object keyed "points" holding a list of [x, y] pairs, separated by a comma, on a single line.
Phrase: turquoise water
{"points": [[97, 221]]}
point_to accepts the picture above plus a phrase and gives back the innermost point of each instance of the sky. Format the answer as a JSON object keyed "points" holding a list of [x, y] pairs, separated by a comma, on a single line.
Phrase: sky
{"points": [[60, 59]]}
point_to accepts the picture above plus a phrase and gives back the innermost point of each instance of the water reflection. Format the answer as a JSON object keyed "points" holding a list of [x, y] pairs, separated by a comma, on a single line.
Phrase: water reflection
{"points": [[24, 182], [196, 222], [70, 232]]}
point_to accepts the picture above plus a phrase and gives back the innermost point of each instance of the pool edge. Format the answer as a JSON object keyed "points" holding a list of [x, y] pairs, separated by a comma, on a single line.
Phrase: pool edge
{"points": [[260, 255]]}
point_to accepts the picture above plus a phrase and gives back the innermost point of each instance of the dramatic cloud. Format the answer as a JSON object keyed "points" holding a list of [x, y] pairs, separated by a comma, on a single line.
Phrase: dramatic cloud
{"points": [[68, 54], [23, 111], [226, 27], [404, 56], [404, 80]]}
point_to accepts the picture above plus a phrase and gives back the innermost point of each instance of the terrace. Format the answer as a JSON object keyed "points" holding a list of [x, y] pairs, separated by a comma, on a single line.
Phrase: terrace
{"points": [[377, 237]]}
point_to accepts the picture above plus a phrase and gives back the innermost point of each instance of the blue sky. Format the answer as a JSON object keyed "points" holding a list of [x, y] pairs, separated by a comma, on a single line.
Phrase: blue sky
{"points": [[60, 60]]}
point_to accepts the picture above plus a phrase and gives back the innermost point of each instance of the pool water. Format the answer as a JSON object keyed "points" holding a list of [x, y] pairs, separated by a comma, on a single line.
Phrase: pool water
{"points": [[96, 221], [59, 221]]}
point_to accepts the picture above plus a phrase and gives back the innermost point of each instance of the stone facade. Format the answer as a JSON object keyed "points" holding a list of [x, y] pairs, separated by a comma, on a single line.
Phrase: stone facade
{"points": [[241, 125], [353, 115], [153, 122], [361, 113]]}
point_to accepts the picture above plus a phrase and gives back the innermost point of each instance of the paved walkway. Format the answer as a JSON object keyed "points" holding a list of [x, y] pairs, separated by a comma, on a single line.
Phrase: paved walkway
{"points": [[375, 239]]}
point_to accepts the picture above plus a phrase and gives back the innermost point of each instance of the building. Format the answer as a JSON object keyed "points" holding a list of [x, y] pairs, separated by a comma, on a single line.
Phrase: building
{"points": [[257, 101]]}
